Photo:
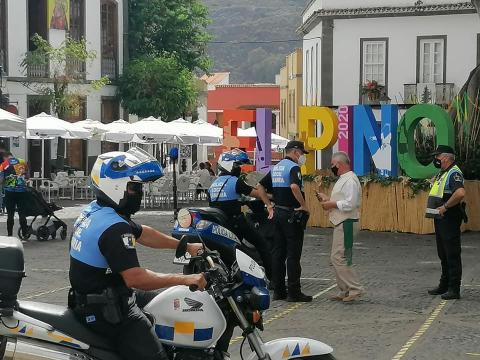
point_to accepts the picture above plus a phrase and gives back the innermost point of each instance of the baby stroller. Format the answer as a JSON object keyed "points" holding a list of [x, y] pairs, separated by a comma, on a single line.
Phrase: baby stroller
{"points": [[46, 227]]}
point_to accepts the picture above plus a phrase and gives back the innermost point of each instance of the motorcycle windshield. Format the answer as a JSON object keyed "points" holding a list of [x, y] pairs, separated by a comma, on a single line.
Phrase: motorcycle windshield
{"points": [[252, 273]]}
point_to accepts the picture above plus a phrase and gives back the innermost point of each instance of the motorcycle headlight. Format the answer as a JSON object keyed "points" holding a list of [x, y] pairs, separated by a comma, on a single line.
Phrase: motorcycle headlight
{"points": [[259, 298], [203, 224]]}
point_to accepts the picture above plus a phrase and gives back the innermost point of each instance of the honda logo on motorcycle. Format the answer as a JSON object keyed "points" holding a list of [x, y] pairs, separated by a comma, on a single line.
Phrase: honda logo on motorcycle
{"points": [[194, 305]]}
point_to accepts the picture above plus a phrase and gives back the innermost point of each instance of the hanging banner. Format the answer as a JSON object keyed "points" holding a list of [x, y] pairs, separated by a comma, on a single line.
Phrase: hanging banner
{"points": [[59, 14]]}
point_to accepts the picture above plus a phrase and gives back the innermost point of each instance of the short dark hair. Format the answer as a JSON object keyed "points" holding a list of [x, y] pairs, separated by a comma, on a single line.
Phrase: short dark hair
{"points": [[201, 166], [207, 164]]}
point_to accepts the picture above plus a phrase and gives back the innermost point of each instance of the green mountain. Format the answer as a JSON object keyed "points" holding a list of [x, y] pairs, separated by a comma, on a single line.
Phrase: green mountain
{"points": [[254, 22]]}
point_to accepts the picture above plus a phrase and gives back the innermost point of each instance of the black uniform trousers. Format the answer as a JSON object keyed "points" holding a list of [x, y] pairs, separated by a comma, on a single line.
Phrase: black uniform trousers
{"points": [[447, 232], [15, 200], [134, 337], [287, 252]]}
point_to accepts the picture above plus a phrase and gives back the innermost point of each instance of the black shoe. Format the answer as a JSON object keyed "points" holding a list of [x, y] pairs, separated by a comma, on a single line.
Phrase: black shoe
{"points": [[279, 296], [299, 297], [438, 291], [451, 295]]}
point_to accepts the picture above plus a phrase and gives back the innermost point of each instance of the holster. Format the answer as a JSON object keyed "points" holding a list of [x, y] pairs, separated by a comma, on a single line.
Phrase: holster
{"points": [[299, 217], [112, 303]]}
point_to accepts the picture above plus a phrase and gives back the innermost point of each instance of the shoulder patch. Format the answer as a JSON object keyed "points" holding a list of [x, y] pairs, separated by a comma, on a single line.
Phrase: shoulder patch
{"points": [[457, 177], [129, 241]]}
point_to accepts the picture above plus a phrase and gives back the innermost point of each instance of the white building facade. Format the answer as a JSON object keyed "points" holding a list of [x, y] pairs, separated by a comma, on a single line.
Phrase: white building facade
{"points": [[406, 46], [101, 24]]}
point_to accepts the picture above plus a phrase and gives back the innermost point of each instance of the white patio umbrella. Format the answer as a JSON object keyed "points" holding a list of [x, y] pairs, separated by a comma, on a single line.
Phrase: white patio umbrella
{"points": [[46, 127], [96, 127], [185, 132], [11, 124], [151, 131], [277, 140], [209, 134], [118, 131]]}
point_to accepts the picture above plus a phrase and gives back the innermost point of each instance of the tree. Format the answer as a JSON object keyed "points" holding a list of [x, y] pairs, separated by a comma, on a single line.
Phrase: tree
{"points": [[62, 74], [158, 86], [174, 27]]}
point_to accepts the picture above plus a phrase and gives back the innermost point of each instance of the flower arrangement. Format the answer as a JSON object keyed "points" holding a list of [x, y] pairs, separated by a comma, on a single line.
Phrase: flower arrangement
{"points": [[373, 90]]}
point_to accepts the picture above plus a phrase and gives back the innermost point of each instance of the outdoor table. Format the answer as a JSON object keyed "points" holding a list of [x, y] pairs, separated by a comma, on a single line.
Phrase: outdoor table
{"points": [[74, 180]]}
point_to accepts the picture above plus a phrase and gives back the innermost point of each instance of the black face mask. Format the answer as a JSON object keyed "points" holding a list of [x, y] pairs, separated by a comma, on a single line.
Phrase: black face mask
{"points": [[437, 163], [334, 170], [132, 205], [236, 171], [133, 200]]}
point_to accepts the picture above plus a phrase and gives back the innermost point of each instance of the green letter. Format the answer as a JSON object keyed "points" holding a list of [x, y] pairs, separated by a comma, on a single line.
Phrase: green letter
{"points": [[445, 135]]}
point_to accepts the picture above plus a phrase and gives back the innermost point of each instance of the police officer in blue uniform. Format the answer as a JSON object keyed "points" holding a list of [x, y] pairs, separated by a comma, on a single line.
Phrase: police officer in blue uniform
{"points": [[291, 215], [104, 266], [225, 194], [445, 205]]}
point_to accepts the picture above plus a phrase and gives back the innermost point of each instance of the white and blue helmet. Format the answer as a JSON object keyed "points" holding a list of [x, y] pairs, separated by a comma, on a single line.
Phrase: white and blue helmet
{"points": [[230, 161], [113, 171]]}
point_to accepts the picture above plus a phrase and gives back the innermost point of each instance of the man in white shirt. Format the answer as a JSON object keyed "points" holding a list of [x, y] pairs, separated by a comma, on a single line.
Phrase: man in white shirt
{"points": [[343, 206]]}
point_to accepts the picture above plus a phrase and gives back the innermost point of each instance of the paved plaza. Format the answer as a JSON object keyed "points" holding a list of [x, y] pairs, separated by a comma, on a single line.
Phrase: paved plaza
{"points": [[397, 319]]}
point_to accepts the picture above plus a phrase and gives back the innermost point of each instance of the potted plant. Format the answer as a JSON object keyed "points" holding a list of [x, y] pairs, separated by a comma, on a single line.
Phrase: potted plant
{"points": [[373, 90]]}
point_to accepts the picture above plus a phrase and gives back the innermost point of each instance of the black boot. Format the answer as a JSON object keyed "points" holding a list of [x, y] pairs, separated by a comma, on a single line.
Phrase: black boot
{"points": [[279, 295], [439, 290], [299, 297], [451, 294]]}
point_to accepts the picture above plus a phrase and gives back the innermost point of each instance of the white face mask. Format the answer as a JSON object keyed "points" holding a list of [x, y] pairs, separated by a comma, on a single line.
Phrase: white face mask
{"points": [[302, 160]]}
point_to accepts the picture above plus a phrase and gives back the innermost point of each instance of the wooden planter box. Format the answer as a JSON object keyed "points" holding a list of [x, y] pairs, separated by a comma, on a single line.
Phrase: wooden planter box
{"points": [[394, 208]]}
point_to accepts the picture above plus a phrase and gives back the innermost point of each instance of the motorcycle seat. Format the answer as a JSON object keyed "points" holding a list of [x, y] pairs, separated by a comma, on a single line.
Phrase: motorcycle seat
{"points": [[214, 215], [64, 320]]}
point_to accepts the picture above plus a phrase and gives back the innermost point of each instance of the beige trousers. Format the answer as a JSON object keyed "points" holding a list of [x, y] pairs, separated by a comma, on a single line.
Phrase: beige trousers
{"points": [[347, 279]]}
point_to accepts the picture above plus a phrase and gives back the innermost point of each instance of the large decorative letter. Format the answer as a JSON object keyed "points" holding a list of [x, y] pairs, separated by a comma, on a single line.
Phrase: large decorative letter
{"points": [[445, 135], [308, 118], [231, 122], [264, 140], [371, 142], [345, 130]]}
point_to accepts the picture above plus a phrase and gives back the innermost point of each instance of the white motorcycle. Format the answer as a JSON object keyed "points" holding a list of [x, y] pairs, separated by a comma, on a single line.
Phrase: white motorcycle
{"points": [[187, 322]]}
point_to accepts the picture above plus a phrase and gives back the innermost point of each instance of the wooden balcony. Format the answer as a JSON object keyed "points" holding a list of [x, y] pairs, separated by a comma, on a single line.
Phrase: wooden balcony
{"points": [[76, 69], [39, 69]]}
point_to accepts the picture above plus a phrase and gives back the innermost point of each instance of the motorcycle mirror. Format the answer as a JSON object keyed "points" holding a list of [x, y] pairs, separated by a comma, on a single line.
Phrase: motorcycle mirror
{"points": [[184, 218], [182, 247]]}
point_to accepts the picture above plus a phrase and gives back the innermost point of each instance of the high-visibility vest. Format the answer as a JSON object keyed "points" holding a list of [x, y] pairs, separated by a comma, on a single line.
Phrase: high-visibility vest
{"points": [[435, 198]]}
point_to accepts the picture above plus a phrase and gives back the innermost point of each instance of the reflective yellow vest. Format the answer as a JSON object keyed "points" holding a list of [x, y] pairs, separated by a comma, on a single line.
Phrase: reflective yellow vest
{"points": [[435, 198]]}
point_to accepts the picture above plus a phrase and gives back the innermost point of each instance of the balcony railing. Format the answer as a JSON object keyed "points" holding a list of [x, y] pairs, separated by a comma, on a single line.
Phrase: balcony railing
{"points": [[76, 69], [109, 66], [38, 69], [440, 94]]}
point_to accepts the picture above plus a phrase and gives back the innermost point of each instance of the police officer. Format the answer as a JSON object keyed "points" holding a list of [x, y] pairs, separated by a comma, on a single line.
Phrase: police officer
{"points": [[14, 172], [104, 266], [225, 193], [445, 206], [291, 214]]}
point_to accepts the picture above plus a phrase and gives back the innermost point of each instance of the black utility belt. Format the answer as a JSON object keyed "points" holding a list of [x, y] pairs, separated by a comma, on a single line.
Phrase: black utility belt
{"points": [[107, 296], [286, 208]]}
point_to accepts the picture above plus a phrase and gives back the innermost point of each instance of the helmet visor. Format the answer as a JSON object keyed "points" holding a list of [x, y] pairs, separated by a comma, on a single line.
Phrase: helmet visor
{"points": [[141, 155]]}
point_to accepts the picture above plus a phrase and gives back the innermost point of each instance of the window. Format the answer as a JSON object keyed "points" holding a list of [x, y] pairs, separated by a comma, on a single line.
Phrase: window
{"points": [[109, 38], [311, 78], [3, 35], [307, 68], [374, 60], [317, 69], [110, 112], [478, 49], [431, 59], [77, 19]]}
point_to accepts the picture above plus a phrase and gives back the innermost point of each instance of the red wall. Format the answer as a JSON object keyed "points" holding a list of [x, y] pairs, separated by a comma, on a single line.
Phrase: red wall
{"points": [[237, 97]]}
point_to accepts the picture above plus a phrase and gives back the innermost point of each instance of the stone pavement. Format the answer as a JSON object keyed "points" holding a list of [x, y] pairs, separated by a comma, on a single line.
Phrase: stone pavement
{"points": [[397, 319]]}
